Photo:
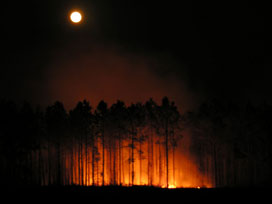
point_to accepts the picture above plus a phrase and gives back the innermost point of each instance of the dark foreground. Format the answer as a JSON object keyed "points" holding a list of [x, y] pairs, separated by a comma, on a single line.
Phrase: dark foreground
{"points": [[135, 194]]}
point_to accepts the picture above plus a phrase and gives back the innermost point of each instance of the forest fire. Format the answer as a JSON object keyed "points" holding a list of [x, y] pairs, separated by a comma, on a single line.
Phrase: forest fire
{"points": [[122, 146], [128, 150], [149, 170], [155, 98], [137, 145]]}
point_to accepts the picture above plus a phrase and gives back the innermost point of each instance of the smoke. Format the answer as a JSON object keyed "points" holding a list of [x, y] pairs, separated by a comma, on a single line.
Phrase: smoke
{"points": [[110, 74]]}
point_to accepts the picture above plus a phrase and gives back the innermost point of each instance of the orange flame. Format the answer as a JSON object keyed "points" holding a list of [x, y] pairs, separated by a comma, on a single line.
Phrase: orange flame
{"points": [[148, 171]]}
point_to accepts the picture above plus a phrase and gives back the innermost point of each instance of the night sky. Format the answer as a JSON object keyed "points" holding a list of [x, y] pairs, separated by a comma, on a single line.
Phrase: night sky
{"points": [[134, 50]]}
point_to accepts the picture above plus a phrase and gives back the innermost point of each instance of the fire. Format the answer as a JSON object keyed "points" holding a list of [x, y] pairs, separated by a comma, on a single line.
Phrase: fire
{"points": [[149, 168], [113, 165], [172, 186]]}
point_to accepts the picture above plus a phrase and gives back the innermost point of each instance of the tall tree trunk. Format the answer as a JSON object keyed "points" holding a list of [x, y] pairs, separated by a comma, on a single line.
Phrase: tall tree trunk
{"points": [[97, 172], [93, 162], [160, 165], [40, 167], [174, 172], [129, 168], [114, 163], [49, 162], [72, 163], [82, 163], [120, 158], [148, 160], [215, 165], [132, 156], [103, 155], [78, 162], [173, 159], [122, 167], [140, 157], [58, 163], [63, 169], [31, 168], [152, 160], [166, 153], [110, 162], [41, 171], [86, 159]]}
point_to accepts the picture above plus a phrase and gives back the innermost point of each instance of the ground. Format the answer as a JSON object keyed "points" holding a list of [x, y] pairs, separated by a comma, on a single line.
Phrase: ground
{"points": [[140, 195]]}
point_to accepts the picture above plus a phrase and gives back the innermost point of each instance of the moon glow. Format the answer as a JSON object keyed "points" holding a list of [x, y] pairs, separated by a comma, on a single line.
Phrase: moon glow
{"points": [[75, 17]]}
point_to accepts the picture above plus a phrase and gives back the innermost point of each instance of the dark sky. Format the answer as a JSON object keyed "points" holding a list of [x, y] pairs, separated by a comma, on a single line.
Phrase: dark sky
{"points": [[134, 50]]}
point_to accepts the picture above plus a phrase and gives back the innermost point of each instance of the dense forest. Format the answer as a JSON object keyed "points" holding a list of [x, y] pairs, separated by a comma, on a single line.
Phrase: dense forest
{"points": [[219, 144]]}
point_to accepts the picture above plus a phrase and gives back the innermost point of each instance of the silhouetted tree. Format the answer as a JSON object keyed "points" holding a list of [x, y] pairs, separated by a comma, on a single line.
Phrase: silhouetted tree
{"points": [[136, 120], [151, 121], [56, 121], [102, 114], [118, 118], [168, 118], [81, 119]]}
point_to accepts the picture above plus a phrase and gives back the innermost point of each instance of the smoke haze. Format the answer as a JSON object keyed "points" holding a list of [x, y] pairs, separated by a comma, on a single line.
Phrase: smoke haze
{"points": [[111, 74]]}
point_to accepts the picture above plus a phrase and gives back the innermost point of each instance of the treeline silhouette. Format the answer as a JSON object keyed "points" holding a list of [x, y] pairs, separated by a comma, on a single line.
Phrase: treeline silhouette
{"points": [[137, 144]]}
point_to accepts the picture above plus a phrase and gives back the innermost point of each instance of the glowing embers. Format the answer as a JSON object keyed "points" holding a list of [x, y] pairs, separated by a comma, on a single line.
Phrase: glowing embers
{"points": [[172, 187]]}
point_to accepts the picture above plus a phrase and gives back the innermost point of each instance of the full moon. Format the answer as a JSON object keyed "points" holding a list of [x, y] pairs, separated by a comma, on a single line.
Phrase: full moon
{"points": [[75, 17]]}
